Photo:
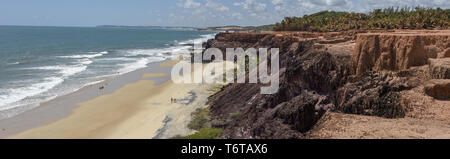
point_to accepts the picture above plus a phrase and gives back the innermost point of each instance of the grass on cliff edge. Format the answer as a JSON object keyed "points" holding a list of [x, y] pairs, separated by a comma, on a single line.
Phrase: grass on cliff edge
{"points": [[200, 119], [206, 133], [201, 122]]}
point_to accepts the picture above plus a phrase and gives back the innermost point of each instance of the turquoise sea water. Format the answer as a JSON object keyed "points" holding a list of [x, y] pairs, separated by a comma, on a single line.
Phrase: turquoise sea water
{"points": [[41, 63]]}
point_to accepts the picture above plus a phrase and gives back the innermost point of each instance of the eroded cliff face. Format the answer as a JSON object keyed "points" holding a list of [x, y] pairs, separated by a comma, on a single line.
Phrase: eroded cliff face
{"points": [[398, 50], [321, 73], [309, 76]]}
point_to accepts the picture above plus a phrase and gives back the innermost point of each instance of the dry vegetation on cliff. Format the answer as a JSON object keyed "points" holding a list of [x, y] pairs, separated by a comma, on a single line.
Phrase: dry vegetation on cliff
{"points": [[389, 18]]}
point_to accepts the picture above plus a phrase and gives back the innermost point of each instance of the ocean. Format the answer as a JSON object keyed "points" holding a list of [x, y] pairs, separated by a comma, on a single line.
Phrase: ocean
{"points": [[38, 64]]}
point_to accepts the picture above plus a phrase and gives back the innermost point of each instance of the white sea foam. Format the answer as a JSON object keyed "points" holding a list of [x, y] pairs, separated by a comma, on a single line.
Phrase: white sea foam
{"points": [[86, 55], [67, 70], [86, 85], [204, 38], [64, 70], [159, 54], [12, 95], [162, 52], [139, 63], [72, 70], [14, 63], [16, 94], [116, 59], [181, 48], [85, 61], [93, 83]]}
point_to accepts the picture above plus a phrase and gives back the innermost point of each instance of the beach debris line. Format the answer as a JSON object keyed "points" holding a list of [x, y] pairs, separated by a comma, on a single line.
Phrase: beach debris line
{"points": [[160, 133]]}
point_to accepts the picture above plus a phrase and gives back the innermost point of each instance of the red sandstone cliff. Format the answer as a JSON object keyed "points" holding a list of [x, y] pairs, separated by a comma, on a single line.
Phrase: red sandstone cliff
{"points": [[389, 75], [398, 51]]}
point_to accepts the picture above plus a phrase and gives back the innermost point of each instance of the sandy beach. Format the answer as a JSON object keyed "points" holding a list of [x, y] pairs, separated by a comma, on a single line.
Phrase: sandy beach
{"points": [[140, 109]]}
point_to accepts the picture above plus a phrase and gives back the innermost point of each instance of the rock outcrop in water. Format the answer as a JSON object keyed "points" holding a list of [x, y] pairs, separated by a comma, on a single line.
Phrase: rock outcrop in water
{"points": [[376, 75]]}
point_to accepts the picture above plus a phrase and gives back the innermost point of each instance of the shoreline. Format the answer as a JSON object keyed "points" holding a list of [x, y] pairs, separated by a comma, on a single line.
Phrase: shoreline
{"points": [[32, 83], [94, 113]]}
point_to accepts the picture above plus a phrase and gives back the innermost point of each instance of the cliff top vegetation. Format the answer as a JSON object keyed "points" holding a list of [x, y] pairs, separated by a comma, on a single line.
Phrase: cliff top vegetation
{"points": [[388, 18]]}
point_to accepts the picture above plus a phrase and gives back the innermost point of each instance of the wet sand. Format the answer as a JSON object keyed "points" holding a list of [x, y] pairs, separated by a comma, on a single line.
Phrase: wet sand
{"points": [[132, 106]]}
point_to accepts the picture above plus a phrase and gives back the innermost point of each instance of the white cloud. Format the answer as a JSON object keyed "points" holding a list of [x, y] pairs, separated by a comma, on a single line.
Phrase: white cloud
{"points": [[203, 13], [216, 6], [252, 6], [237, 16], [301, 7], [209, 4], [278, 5], [188, 4], [277, 2], [337, 2], [325, 4], [329, 2]]}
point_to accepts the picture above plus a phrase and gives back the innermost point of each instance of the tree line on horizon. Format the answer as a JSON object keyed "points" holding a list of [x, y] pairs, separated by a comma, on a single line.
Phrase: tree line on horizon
{"points": [[388, 18]]}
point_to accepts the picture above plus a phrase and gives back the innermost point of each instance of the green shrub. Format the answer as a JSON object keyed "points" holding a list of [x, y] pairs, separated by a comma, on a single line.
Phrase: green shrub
{"points": [[235, 115], [206, 133], [200, 119], [178, 137], [201, 122]]}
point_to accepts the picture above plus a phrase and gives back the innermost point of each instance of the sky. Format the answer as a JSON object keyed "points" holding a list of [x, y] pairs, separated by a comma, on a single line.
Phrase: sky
{"points": [[194, 13]]}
